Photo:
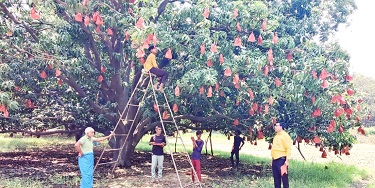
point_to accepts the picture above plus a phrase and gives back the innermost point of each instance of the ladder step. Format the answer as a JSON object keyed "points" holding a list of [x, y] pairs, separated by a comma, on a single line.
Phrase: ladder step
{"points": [[127, 120], [144, 90], [116, 149], [147, 72], [112, 162], [133, 104], [168, 121], [120, 135]]}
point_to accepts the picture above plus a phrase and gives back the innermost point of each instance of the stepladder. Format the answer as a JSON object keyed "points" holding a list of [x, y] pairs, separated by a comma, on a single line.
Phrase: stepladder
{"points": [[111, 156]]}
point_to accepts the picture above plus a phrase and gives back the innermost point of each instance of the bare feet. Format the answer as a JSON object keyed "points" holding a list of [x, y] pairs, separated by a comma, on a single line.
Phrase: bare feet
{"points": [[155, 86], [161, 88]]}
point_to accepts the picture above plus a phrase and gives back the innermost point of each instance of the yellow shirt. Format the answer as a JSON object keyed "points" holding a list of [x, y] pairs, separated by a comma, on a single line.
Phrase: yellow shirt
{"points": [[150, 62], [281, 145]]}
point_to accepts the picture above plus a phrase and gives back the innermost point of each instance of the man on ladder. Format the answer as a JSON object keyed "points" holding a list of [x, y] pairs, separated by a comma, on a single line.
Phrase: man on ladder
{"points": [[151, 66]]}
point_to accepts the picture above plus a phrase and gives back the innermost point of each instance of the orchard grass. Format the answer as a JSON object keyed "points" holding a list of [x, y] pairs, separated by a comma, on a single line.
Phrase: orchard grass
{"points": [[301, 174], [18, 182], [24, 143], [33, 182], [370, 130]]}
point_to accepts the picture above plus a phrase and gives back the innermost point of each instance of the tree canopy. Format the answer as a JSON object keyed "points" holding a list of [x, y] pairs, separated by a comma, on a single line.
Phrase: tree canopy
{"points": [[235, 65]]}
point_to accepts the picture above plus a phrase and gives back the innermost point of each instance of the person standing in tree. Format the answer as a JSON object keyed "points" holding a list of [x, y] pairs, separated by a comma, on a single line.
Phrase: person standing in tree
{"points": [[151, 66], [196, 155], [158, 142], [281, 151], [237, 145], [84, 147]]}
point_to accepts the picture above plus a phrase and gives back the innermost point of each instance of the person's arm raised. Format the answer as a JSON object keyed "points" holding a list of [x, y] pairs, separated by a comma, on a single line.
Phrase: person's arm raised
{"points": [[104, 137]]}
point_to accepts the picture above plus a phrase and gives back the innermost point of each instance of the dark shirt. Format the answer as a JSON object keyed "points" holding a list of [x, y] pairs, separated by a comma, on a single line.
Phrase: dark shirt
{"points": [[157, 150], [237, 142], [197, 151]]}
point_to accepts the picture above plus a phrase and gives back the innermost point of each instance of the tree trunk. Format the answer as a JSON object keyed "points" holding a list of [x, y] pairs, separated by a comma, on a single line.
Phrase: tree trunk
{"points": [[131, 140], [127, 152], [132, 127]]}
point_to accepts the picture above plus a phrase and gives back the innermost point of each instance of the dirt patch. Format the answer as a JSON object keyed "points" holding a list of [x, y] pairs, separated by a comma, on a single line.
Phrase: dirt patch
{"points": [[40, 165], [46, 164], [214, 170]]}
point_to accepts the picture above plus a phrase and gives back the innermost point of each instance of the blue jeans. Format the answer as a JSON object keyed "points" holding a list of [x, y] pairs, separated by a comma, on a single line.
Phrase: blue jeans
{"points": [[86, 166]]}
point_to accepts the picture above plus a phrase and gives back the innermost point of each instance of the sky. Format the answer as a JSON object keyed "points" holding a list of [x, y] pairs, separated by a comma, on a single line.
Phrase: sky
{"points": [[359, 37]]}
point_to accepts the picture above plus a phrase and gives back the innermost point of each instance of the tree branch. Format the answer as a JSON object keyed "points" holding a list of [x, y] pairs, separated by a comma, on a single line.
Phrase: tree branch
{"points": [[115, 4], [109, 45], [41, 133], [300, 152], [97, 61], [86, 47], [221, 115], [202, 128], [72, 83], [161, 8], [91, 41], [142, 129], [10, 16], [198, 119]]}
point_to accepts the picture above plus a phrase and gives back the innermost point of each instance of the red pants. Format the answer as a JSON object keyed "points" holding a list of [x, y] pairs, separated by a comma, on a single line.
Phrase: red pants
{"points": [[197, 167]]}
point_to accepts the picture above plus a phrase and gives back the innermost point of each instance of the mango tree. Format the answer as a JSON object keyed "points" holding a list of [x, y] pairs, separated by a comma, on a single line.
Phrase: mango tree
{"points": [[232, 65]]}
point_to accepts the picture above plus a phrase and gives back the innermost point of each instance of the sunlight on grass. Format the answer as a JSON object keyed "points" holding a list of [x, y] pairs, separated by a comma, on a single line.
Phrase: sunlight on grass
{"points": [[62, 180], [23, 143], [33, 182], [20, 183], [327, 175], [370, 130]]}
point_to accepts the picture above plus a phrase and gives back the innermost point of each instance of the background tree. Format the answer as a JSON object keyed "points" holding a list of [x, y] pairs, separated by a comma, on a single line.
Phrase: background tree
{"points": [[236, 65], [365, 86]]}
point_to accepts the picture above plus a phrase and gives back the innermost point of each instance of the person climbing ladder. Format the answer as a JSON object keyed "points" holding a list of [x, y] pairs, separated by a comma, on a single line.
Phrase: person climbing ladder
{"points": [[152, 66]]}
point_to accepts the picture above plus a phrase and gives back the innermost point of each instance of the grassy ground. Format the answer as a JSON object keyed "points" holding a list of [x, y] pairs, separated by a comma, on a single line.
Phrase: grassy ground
{"points": [[23, 143], [302, 174], [370, 130]]}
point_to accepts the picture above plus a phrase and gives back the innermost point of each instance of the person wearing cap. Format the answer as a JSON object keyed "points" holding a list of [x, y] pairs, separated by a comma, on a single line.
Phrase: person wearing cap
{"points": [[196, 155], [151, 66], [236, 148], [281, 152], [84, 147]]}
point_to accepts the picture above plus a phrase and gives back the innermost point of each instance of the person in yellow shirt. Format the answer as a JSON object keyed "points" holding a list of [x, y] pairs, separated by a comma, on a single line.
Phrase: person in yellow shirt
{"points": [[281, 152], [151, 66]]}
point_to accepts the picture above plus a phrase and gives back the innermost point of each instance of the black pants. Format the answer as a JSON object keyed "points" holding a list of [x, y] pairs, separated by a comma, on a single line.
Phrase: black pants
{"points": [[276, 172], [160, 73], [237, 153]]}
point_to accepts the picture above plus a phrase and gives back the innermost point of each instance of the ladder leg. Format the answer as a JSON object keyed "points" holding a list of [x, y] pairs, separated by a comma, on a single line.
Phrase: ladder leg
{"points": [[121, 115], [169, 110]]}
